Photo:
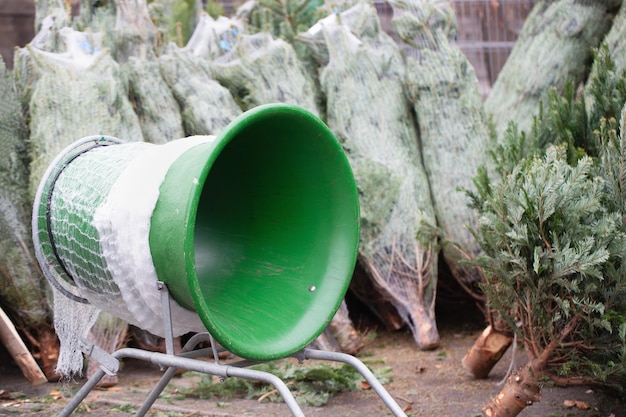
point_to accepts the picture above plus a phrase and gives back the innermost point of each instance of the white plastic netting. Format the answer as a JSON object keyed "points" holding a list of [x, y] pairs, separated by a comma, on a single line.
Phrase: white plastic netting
{"points": [[367, 111], [206, 106], [261, 70], [75, 93], [23, 288], [152, 100], [443, 88], [72, 323], [214, 37]]}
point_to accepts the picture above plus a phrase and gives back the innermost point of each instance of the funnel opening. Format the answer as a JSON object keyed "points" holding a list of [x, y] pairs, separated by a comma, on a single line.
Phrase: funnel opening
{"points": [[272, 233]]}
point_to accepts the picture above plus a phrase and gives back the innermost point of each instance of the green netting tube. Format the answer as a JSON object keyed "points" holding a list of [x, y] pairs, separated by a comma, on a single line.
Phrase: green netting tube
{"points": [[255, 230]]}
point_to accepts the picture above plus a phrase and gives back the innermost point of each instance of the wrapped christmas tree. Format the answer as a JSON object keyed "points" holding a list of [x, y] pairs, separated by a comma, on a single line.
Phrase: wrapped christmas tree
{"points": [[281, 18], [72, 88], [444, 91], [377, 129], [616, 39], [72, 98], [134, 37], [206, 106], [554, 47], [261, 69], [24, 290]]}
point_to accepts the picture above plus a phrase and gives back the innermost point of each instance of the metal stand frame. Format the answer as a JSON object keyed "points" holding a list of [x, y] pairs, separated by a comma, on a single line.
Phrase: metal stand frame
{"points": [[187, 360]]}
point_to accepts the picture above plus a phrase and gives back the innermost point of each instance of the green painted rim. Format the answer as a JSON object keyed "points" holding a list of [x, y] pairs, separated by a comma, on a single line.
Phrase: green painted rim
{"points": [[258, 231]]}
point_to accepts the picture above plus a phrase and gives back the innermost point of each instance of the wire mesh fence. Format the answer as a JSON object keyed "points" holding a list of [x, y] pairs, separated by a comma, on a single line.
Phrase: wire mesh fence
{"points": [[487, 31]]}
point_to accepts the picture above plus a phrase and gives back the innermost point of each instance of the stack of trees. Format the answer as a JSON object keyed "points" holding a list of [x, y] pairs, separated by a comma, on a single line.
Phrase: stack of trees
{"points": [[538, 235]]}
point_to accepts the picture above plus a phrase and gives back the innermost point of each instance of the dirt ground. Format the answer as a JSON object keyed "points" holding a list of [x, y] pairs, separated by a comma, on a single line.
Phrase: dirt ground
{"points": [[425, 383]]}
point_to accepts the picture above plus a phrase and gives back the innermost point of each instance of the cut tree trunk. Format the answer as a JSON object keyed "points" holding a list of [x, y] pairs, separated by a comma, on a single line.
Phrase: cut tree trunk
{"points": [[521, 388], [487, 351], [520, 391], [341, 327], [554, 47], [340, 335], [47, 343], [362, 287], [326, 341], [19, 352]]}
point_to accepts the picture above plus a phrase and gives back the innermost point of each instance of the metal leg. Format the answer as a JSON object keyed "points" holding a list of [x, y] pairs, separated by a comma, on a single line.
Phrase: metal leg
{"points": [[82, 393], [187, 351], [363, 370], [213, 369], [167, 317], [187, 360], [156, 391]]}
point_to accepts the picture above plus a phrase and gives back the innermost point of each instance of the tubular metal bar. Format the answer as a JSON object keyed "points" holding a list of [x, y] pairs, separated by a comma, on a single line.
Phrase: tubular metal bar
{"points": [[362, 369], [82, 393], [171, 361], [156, 391], [167, 317], [187, 352]]}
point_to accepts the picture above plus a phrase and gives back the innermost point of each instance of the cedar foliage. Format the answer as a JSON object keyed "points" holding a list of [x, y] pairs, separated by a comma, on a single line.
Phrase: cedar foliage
{"points": [[311, 385], [553, 231], [284, 18]]}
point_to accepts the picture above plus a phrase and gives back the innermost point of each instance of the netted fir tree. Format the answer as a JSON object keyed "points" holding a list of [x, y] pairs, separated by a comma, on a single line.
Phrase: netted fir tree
{"points": [[553, 231], [283, 18]]}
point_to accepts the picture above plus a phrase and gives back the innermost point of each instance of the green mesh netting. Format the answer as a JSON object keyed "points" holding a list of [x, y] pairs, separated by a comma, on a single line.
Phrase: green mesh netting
{"points": [[443, 88], [369, 114]]}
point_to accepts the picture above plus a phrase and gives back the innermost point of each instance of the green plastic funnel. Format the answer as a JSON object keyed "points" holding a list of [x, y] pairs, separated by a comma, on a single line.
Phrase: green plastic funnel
{"points": [[255, 230], [258, 232]]}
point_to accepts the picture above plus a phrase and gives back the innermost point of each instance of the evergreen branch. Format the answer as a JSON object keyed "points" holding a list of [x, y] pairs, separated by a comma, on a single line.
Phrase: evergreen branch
{"points": [[570, 381]]}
